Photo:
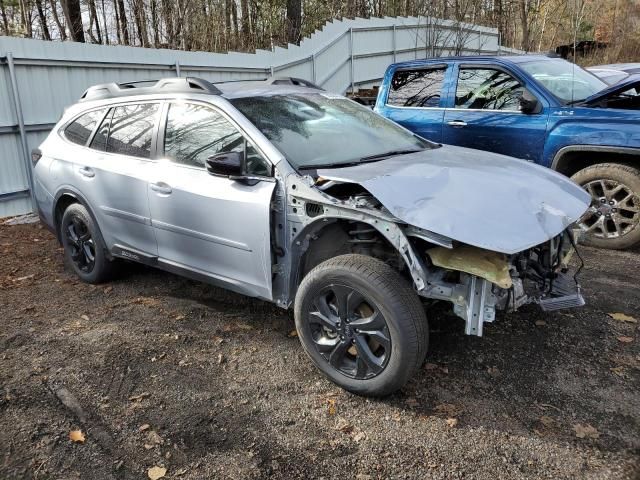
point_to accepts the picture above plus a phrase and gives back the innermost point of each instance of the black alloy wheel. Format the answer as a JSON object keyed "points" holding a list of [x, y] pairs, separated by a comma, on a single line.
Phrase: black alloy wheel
{"points": [[350, 332], [80, 241]]}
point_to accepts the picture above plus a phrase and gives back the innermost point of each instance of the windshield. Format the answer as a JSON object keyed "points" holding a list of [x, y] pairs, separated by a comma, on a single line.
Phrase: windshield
{"points": [[567, 81], [320, 129]]}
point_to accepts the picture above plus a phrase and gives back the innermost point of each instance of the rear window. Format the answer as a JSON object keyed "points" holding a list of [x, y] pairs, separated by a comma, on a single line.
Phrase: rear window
{"points": [[81, 128], [131, 130], [416, 88]]}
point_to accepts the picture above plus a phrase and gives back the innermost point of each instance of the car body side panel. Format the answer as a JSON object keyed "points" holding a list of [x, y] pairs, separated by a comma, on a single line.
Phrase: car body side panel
{"points": [[570, 126], [116, 190], [519, 136]]}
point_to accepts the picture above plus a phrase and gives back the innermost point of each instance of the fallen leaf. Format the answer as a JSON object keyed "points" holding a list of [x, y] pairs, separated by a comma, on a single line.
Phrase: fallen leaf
{"points": [[84, 317], [540, 323], [412, 402], [153, 437], [220, 359], [493, 371], [218, 340], [586, 431], [144, 427], [430, 366], [625, 339], [358, 437], [622, 317], [180, 317], [76, 436], [137, 398], [108, 290], [619, 370], [332, 406], [343, 426], [452, 422], [447, 409], [546, 421], [155, 473], [26, 277], [292, 334]]}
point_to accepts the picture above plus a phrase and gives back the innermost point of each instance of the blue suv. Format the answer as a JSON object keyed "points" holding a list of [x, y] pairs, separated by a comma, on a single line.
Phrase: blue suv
{"points": [[538, 108]]}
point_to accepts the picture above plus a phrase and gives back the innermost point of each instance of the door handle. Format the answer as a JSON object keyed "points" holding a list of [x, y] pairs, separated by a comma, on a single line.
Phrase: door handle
{"points": [[457, 123], [87, 172], [161, 187]]}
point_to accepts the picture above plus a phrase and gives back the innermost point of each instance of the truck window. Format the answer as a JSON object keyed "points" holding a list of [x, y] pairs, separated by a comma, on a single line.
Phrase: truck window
{"points": [[487, 89], [416, 88]]}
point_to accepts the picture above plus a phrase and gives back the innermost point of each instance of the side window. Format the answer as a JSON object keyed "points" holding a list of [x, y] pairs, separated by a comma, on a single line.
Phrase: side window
{"points": [[131, 129], [416, 88], [99, 141], [487, 89], [81, 128], [195, 132]]}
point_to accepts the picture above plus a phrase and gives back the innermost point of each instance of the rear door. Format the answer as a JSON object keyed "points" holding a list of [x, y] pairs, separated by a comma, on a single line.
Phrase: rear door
{"points": [[113, 176], [211, 225], [486, 114], [415, 100]]}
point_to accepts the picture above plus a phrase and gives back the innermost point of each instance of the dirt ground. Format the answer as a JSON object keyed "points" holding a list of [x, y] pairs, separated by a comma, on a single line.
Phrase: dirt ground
{"points": [[159, 371]]}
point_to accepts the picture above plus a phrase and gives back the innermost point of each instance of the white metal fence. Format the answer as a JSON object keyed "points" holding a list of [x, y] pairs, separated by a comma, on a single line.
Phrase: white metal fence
{"points": [[38, 79]]}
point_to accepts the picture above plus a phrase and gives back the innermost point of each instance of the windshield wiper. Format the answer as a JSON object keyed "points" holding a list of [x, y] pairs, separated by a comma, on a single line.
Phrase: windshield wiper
{"points": [[392, 153], [367, 159]]}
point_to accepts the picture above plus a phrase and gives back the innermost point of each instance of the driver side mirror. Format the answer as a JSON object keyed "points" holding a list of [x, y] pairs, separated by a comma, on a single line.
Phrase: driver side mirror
{"points": [[529, 104], [226, 164]]}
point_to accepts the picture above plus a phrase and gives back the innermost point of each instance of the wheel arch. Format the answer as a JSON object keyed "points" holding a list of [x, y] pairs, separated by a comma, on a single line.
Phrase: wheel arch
{"points": [[328, 237], [571, 159], [67, 196]]}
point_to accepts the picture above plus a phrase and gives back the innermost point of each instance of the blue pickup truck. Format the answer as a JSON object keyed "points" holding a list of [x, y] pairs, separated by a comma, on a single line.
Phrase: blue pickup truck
{"points": [[538, 108]]}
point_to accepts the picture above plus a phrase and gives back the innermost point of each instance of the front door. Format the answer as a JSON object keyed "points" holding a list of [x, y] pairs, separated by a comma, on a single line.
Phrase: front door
{"points": [[486, 115], [211, 225]]}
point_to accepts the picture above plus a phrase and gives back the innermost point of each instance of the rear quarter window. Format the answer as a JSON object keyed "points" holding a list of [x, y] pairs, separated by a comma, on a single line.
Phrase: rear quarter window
{"points": [[82, 127], [416, 88]]}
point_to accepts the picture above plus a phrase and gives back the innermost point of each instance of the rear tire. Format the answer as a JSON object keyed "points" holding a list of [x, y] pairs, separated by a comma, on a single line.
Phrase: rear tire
{"points": [[362, 324], [615, 205], [84, 249]]}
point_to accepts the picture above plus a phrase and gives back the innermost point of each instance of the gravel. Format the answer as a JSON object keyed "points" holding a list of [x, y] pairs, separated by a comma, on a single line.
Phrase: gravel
{"points": [[160, 371]]}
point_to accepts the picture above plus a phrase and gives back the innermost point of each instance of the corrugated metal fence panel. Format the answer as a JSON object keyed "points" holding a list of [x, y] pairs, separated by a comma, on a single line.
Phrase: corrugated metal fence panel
{"points": [[345, 53]]}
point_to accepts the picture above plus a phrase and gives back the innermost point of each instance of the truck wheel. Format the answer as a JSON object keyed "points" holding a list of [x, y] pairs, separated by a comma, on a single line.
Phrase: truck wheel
{"points": [[362, 324], [614, 220], [84, 249]]}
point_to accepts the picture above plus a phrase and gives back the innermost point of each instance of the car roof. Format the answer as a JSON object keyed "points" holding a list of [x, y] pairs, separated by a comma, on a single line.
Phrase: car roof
{"points": [[475, 58]]}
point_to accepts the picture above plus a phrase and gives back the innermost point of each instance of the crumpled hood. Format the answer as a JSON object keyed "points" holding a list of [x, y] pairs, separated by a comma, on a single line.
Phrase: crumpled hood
{"points": [[632, 81], [483, 199]]}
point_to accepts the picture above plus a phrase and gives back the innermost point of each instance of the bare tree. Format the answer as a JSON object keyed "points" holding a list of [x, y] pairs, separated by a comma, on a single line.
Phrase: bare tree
{"points": [[294, 20], [73, 15]]}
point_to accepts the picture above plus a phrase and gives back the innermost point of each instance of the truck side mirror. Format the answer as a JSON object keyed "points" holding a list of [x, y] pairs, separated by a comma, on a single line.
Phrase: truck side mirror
{"points": [[529, 103]]}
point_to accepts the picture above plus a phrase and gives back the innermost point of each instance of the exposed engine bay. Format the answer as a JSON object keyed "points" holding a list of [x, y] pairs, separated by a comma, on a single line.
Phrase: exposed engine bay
{"points": [[329, 217]]}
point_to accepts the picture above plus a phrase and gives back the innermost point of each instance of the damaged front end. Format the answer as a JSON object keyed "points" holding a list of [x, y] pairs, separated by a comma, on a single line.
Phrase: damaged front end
{"points": [[478, 282]]}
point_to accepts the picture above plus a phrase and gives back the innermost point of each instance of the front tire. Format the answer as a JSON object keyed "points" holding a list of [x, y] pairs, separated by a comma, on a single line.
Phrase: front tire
{"points": [[614, 221], [84, 249], [361, 324]]}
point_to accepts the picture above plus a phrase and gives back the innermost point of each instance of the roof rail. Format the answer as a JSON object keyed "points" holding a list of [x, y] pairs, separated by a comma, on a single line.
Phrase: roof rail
{"points": [[300, 82], [172, 85]]}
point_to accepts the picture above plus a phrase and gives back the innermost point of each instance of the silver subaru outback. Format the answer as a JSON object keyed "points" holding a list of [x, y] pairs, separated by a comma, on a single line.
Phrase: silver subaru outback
{"points": [[279, 190]]}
